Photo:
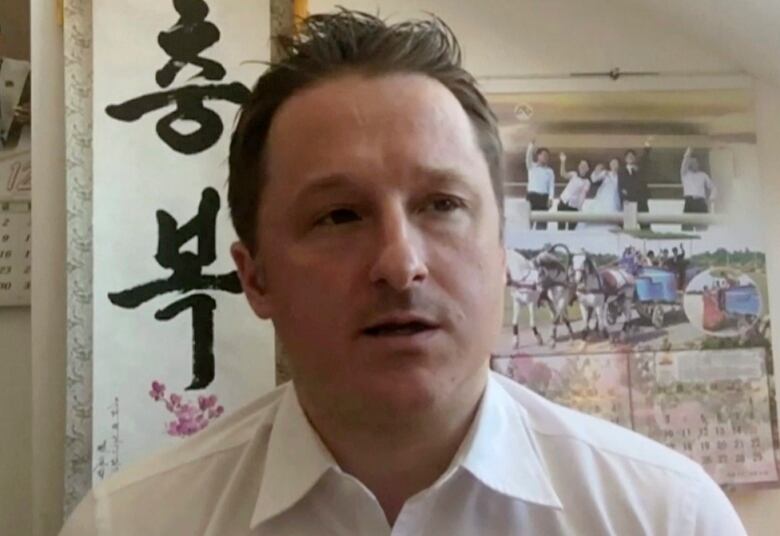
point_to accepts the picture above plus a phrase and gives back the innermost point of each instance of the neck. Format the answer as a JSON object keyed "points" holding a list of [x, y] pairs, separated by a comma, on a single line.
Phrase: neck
{"points": [[397, 458]]}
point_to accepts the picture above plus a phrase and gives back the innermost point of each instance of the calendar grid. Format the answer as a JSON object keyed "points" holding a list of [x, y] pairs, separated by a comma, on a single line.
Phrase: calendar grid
{"points": [[15, 253]]}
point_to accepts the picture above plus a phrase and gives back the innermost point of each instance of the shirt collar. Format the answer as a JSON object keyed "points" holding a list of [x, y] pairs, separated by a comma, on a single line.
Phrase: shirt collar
{"points": [[295, 462], [500, 452]]}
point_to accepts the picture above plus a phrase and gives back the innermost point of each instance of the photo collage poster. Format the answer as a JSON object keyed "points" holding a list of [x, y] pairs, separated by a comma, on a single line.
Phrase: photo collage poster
{"points": [[637, 280], [176, 346]]}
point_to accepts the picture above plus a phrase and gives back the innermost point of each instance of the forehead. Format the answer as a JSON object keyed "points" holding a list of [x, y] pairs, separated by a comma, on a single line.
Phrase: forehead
{"points": [[355, 124]]}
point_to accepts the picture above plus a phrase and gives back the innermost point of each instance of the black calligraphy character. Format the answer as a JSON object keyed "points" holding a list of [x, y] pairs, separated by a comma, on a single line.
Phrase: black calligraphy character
{"points": [[203, 307], [187, 275], [184, 42], [189, 107], [186, 39]]}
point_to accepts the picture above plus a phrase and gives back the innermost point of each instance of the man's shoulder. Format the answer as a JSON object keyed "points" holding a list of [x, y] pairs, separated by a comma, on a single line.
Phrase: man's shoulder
{"points": [[609, 476], [564, 432], [231, 432], [182, 478]]}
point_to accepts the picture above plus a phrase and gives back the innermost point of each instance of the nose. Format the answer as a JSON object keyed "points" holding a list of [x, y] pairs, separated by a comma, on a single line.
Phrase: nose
{"points": [[400, 260]]}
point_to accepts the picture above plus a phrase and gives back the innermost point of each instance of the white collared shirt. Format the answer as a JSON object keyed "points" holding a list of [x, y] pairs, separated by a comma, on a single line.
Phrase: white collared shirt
{"points": [[527, 466], [699, 185], [541, 179], [576, 190]]}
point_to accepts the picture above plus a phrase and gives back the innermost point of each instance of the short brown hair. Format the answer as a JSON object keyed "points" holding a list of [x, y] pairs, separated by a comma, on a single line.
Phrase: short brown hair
{"points": [[326, 46]]}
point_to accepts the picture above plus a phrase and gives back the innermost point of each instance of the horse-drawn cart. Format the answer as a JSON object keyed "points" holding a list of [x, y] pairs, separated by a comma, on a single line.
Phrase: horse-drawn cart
{"points": [[656, 293], [660, 279]]}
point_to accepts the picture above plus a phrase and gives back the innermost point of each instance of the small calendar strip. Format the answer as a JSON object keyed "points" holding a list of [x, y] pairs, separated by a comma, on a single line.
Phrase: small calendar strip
{"points": [[15, 253], [15, 174]]}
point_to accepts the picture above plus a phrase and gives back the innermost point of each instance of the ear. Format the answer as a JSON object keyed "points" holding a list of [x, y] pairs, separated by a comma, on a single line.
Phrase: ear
{"points": [[250, 272]]}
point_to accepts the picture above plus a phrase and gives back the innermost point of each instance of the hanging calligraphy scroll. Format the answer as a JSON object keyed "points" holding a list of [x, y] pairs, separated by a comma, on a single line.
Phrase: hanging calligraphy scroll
{"points": [[175, 344]]}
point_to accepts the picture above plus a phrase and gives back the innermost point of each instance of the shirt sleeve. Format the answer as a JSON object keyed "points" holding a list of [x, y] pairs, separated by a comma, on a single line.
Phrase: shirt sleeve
{"points": [[712, 192], [598, 176], [529, 156], [684, 164], [644, 160], [82, 521], [715, 516], [622, 189]]}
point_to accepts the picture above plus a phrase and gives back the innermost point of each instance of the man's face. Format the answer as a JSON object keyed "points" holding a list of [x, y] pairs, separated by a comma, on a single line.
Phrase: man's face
{"points": [[379, 257], [630, 158], [693, 165], [543, 158]]}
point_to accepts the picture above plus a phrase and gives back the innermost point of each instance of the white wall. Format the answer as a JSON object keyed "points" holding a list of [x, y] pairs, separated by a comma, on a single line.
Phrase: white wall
{"points": [[500, 37], [511, 37], [760, 511], [746, 29]]}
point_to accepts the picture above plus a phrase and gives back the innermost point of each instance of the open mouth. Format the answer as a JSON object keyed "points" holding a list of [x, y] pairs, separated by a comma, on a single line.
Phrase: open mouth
{"points": [[396, 329]]}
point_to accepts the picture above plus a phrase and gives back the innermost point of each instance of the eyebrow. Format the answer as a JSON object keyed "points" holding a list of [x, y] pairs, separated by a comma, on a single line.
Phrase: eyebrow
{"points": [[440, 174], [446, 177], [326, 183], [438, 177]]}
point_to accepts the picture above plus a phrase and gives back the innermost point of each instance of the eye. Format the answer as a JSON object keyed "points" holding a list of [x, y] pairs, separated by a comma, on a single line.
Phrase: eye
{"points": [[339, 216], [446, 204]]}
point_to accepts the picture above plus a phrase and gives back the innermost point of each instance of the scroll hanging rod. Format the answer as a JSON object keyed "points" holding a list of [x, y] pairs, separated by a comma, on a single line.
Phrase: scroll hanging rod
{"points": [[615, 74]]}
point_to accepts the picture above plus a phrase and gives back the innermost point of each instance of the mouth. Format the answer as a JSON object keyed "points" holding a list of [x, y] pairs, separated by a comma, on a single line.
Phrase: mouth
{"points": [[400, 327]]}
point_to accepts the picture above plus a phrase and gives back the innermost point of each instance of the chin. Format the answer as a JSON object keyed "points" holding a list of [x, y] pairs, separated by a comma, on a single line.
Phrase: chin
{"points": [[411, 389]]}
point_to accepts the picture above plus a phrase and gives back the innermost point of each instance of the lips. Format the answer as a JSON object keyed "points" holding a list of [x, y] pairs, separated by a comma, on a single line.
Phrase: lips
{"points": [[400, 326]]}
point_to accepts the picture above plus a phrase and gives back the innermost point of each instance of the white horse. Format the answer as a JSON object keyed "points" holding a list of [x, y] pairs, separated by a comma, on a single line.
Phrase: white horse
{"points": [[604, 291], [524, 288], [557, 288]]}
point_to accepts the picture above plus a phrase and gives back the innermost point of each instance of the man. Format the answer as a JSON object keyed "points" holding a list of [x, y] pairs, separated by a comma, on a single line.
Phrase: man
{"points": [[541, 180], [633, 179], [663, 261], [698, 189], [650, 259], [680, 265], [365, 186]]}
